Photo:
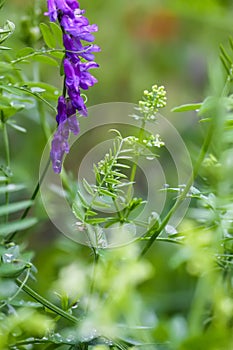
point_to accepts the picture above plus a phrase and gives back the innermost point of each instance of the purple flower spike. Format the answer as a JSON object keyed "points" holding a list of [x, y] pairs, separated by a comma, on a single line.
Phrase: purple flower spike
{"points": [[67, 122], [79, 58]]}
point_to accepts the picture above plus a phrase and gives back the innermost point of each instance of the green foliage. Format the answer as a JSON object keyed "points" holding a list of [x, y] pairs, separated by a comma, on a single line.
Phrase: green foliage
{"points": [[180, 296], [5, 32], [114, 178]]}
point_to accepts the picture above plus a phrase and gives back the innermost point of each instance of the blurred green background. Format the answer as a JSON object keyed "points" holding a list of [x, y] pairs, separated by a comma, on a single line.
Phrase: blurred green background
{"points": [[143, 42]]}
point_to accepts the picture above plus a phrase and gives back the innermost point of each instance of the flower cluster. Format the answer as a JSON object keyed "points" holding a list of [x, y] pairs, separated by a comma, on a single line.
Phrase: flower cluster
{"points": [[152, 101], [79, 58]]}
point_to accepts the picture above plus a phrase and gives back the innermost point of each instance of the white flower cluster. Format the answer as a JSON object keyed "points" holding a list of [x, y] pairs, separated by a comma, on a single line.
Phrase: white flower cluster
{"points": [[152, 101]]}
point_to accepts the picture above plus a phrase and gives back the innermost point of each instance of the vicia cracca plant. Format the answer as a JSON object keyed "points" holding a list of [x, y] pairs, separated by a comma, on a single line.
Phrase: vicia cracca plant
{"points": [[108, 293], [79, 58]]}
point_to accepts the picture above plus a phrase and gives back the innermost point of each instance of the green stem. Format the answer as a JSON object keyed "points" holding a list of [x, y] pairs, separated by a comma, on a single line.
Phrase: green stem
{"points": [[19, 290], [154, 232], [36, 95], [92, 287], [35, 53], [40, 105], [45, 302], [6, 143], [35, 193], [135, 164], [43, 120], [7, 151]]}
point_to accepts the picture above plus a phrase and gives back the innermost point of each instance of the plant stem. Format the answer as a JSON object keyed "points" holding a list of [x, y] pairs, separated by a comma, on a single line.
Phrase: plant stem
{"points": [[43, 120], [6, 143], [96, 261], [7, 151], [35, 193], [45, 302], [155, 232], [135, 164], [40, 105]]}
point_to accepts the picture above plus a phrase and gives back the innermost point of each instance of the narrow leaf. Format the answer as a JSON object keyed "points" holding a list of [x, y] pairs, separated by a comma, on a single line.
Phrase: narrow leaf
{"points": [[5, 48], [10, 227], [124, 184], [91, 213], [225, 55], [120, 165], [100, 204], [96, 221], [231, 42], [88, 187], [14, 207], [82, 200], [187, 107], [224, 64], [116, 173], [105, 192], [112, 181], [78, 211], [11, 188], [16, 127], [97, 174]]}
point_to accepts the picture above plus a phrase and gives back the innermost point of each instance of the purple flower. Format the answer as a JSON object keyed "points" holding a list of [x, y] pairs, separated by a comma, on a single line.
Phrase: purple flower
{"points": [[67, 122], [79, 58]]}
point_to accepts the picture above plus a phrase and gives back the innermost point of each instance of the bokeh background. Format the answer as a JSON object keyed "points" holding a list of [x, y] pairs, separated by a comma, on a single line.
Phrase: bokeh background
{"points": [[174, 43]]}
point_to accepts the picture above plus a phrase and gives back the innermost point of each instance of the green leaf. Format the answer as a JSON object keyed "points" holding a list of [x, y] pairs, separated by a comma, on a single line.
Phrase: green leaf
{"points": [[83, 200], [25, 52], [10, 227], [112, 181], [78, 211], [224, 63], [3, 178], [120, 165], [25, 89], [57, 32], [14, 207], [187, 107], [97, 174], [7, 289], [225, 55], [124, 184], [88, 187], [105, 192], [95, 221], [10, 107], [209, 106], [45, 59], [117, 174], [5, 48], [91, 213], [11, 188], [101, 204], [6, 68], [48, 36], [6, 31], [16, 127], [11, 89], [12, 270], [48, 91], [58, 54]]}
